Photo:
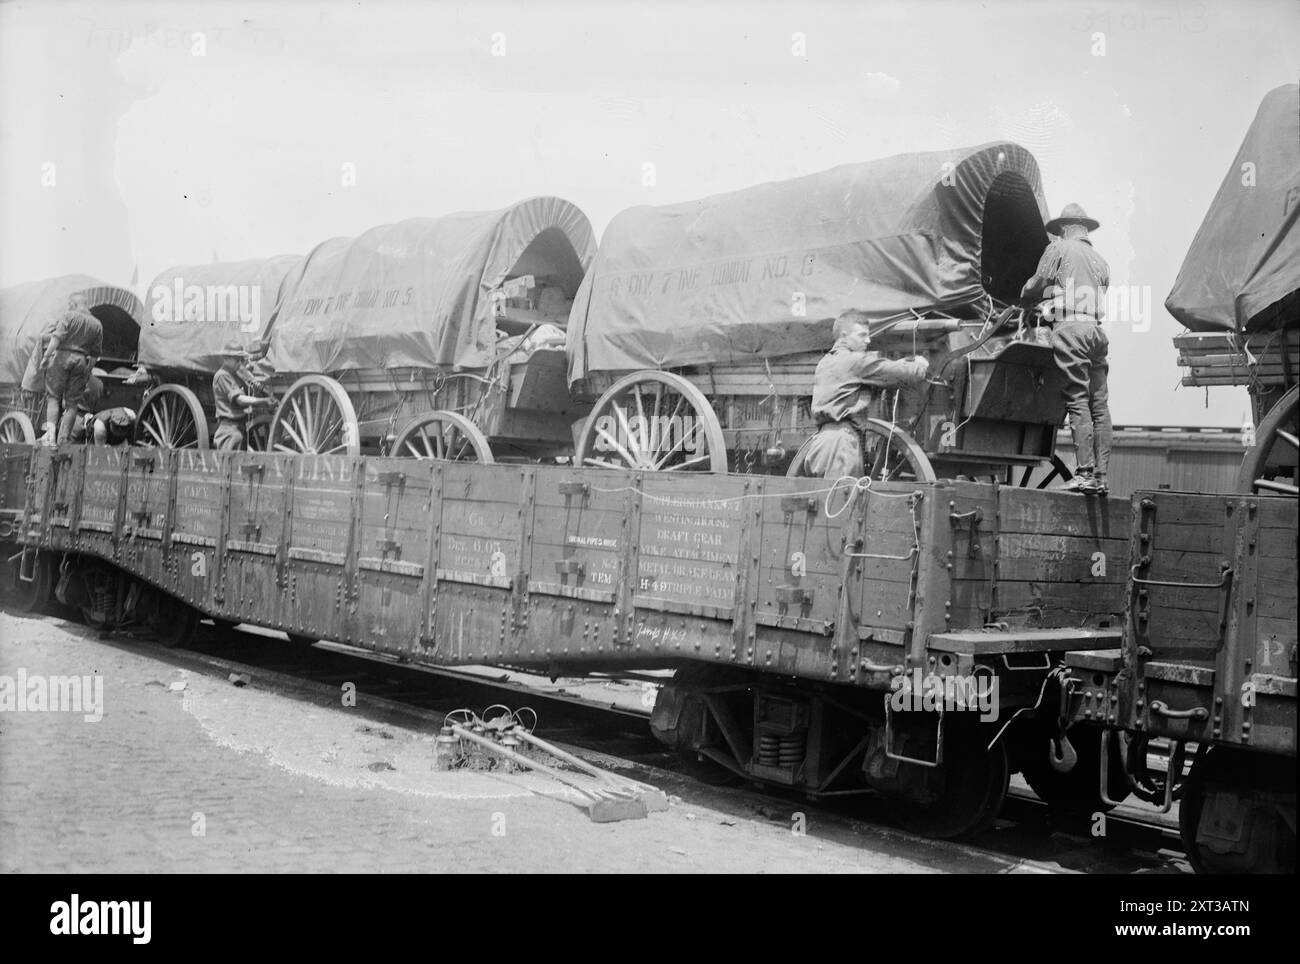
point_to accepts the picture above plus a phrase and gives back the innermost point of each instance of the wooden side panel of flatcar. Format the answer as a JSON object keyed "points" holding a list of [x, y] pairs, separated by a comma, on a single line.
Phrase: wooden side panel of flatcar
{"points": [[1036, 558], [1212, 620]]}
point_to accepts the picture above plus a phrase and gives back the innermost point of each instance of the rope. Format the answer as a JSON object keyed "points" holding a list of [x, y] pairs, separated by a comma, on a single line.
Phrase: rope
{"points": [[859, 485]]}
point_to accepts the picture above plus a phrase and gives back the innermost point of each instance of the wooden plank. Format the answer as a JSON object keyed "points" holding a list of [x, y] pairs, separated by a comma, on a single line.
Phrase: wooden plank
{"points": [[1024, 557], [1023, 641], [1060, 603], [1037, 511]]}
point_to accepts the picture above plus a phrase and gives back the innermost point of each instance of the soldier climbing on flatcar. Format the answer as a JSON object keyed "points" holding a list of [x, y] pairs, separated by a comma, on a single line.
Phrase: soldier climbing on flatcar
{"points": [[232, 392], [69, 358], [844, 386], [1071, 280]]}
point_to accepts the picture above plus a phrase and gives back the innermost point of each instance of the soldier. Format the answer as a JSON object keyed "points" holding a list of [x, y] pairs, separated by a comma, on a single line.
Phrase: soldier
{"points": [[844, 386], [114, 426], [1073, 279], [87, 405], [230, 390], [74, 347]]}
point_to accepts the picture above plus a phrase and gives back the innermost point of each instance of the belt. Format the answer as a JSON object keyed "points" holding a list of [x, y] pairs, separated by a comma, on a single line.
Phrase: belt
{"points": [[241, 422]]}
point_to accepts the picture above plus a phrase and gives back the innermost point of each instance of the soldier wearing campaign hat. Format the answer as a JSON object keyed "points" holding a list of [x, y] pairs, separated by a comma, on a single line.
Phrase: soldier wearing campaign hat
{"points": [[231, 391], [1070, 284]]}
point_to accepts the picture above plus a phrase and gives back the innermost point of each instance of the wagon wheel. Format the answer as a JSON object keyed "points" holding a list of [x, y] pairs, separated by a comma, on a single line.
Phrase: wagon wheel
{"points": [[892, 455], [257, 433], [16, 429], [1270, 465], [654, 422], [315, 417], [171, 418], [448, 436]]}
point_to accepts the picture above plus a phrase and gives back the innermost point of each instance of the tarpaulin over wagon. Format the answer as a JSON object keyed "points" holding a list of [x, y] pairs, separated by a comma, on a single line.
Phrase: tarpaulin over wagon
{"points": [[764, 271], [192, 311], [1245, 259], [28, 311], [418, 293]]}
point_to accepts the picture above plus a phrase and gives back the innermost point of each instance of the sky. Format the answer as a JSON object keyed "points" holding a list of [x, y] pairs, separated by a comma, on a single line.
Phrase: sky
{"points": [[139, 135]]}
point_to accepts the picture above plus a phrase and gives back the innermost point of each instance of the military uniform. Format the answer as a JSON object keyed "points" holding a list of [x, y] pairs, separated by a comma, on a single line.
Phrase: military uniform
{"points": [[844, 387], [232, 422], [81, 340], [1077, 278]]}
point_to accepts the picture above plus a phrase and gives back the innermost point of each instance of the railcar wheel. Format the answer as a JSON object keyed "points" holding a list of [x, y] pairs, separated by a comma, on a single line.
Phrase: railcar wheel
{"points": [[16, 429], [19, 595], [1270, 465], [964, 794], [171, 418], [447, 436], [891, 455], [257, 434], [315, 417], [170, 621], [653, 422], [1237, 813], [1079, 790]]}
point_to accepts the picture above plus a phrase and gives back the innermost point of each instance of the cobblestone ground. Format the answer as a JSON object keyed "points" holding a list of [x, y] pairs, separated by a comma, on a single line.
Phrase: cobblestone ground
{"points": [[188, 773]]}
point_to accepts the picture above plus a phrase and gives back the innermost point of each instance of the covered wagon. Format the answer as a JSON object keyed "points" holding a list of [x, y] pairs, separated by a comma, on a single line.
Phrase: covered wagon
{"points": [[1238, 291], [192, 311], [699, 326], [28, 314], [434, 337]]}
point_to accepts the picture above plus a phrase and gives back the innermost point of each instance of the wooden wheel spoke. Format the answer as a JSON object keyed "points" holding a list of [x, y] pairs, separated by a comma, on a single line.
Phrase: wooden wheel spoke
{"points": [[629, 461], [626, 429], [1289, 438], [697, 460]]}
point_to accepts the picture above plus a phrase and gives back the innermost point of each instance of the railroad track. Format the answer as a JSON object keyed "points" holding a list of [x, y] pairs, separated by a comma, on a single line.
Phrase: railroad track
{"points": [[1026, 838]]}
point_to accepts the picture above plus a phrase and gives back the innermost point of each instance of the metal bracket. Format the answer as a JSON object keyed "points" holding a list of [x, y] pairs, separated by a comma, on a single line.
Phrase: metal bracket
{"points": [[799, 503], [794, 596], [574, 488], [252, 468], [902, 758], [569, 567]]}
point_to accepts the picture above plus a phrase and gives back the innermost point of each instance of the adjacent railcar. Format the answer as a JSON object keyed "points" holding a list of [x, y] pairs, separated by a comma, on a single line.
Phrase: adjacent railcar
{"points": [[1208, 654]]}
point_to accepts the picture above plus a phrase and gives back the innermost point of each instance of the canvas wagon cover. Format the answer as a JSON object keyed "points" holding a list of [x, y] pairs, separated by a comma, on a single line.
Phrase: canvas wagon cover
{"points": [[192, 311], [1246, 255], [764, 271], [417, 293], [28, 310]]}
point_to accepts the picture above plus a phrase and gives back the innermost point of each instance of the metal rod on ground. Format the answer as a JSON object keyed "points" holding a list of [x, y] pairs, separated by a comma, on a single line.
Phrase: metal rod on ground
{"points": [[606, 805], [653, 796]]}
